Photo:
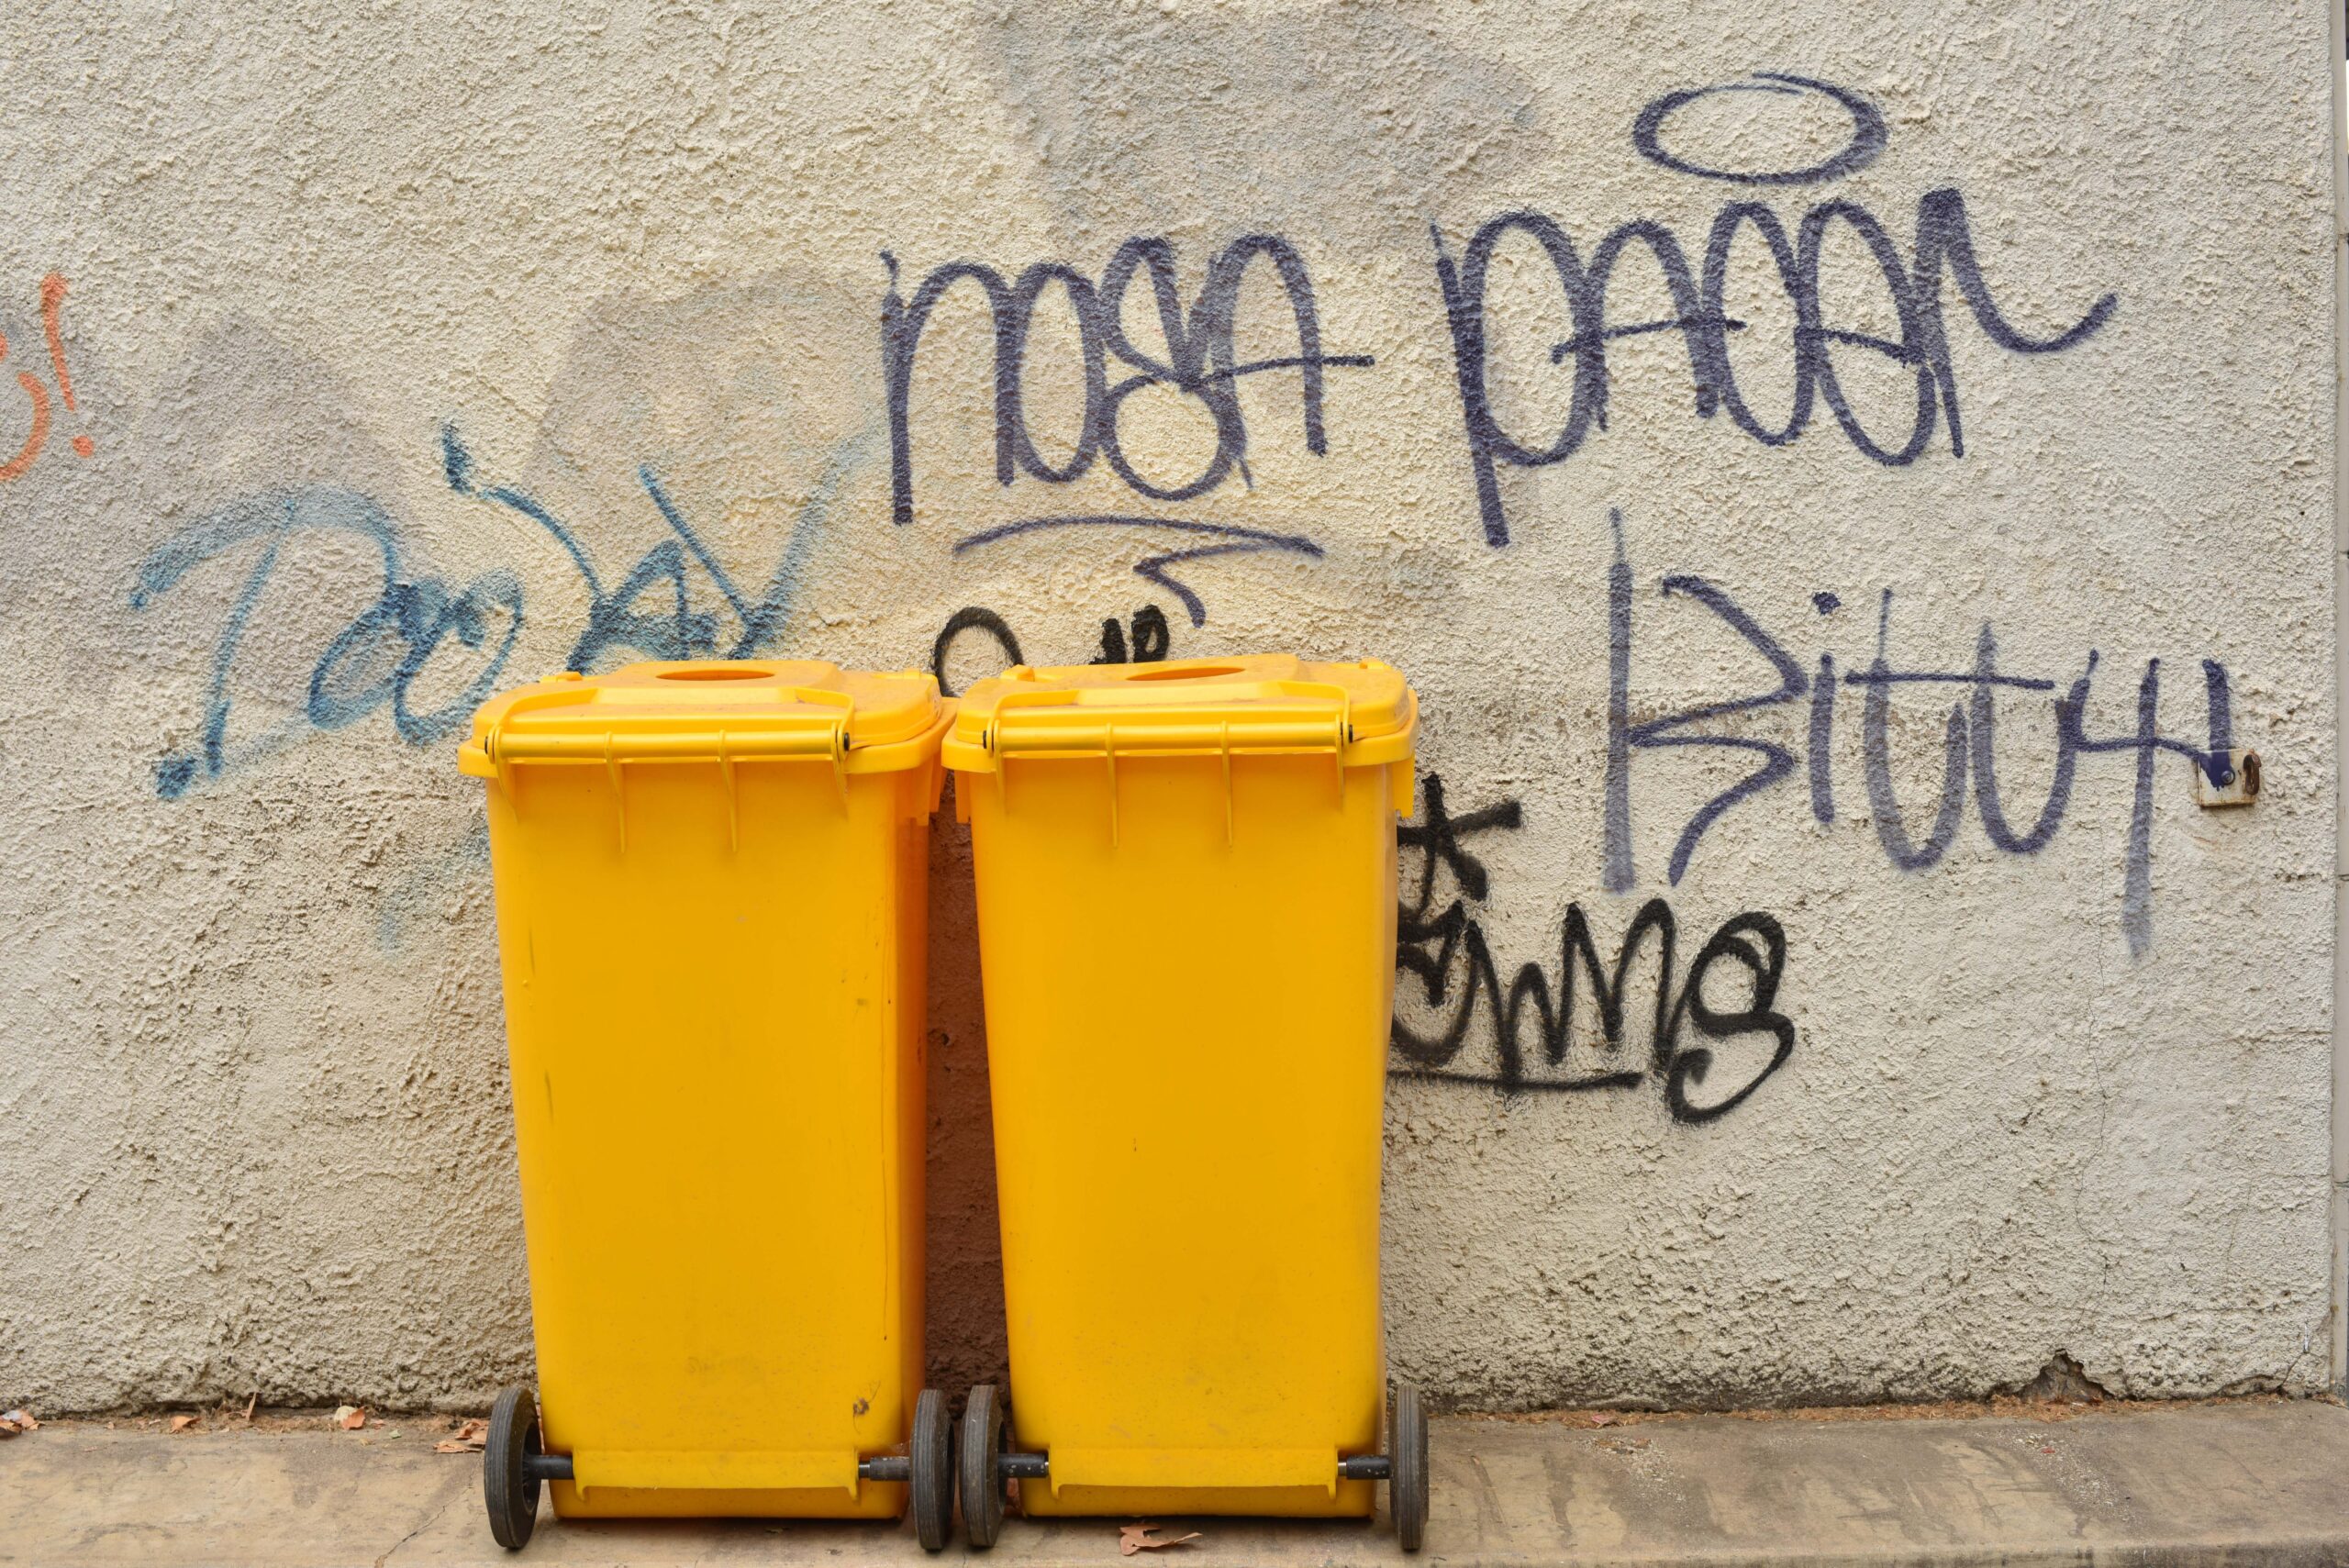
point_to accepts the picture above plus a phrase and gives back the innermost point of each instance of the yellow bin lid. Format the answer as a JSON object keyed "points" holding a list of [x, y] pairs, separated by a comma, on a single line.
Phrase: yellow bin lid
{"points": [[711, 710], [1263, 704]]}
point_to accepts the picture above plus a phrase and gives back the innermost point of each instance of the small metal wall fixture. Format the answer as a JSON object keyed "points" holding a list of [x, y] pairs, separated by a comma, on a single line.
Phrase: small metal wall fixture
{"points": [[2240, 786]]}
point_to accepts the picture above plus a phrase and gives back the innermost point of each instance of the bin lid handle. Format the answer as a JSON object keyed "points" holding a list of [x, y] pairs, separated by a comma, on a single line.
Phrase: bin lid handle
{"points": [[1279, 717]]}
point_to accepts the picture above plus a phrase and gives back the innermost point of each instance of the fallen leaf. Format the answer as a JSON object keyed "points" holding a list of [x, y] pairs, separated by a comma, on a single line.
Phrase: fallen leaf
{"points": [[1605, 1418], [181, 1423], [349, 1417], [14, 1421], [1144, 1537], [471, 1435]]}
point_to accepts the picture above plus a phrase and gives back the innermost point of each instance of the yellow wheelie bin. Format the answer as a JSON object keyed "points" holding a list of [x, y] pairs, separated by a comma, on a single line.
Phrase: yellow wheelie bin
{"points": [[1187, 909], [711, 897]]}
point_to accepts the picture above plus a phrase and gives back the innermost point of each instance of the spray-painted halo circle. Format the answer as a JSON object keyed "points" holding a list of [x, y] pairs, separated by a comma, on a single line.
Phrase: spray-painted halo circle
{"points": [[1868, 133]]}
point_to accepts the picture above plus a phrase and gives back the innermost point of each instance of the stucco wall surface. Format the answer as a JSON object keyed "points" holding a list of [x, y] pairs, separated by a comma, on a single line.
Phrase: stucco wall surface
{"points": [[1831, 574]]}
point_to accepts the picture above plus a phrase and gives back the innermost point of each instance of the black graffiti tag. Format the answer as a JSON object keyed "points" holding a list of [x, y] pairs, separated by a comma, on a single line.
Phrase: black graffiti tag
{"points": [[1432, 949]]}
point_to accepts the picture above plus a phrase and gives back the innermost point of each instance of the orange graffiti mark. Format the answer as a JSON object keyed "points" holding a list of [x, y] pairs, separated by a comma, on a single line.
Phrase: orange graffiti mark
{"points": [[52, 304], [31, 449], [52, 300]]}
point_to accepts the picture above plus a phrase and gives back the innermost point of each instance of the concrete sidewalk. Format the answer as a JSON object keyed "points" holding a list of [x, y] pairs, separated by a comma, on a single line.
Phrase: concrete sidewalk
{"points": [[2257, 1483]]}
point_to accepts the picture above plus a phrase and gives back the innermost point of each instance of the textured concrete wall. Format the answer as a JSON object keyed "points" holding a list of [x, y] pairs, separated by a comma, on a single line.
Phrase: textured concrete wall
{"points": [[1850, 636]]}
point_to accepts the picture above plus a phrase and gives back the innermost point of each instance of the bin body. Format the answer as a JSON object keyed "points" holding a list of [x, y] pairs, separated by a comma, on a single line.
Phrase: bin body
{"points": [[711, 899], [1186, 906]]}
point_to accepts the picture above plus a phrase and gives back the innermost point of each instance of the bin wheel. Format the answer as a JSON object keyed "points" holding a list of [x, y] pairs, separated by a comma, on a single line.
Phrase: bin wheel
{"points": [[1407, 1488], [933, 1464], [984, 1420], [507, 1484]]}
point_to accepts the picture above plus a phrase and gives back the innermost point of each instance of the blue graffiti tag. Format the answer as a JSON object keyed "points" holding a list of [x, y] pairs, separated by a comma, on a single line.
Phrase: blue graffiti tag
{"points": [[680, 630], [374, 660], [371, 663]]}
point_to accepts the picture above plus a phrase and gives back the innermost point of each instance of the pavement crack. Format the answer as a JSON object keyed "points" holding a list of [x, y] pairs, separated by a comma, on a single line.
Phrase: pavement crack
{"points": [[422, 1525]]}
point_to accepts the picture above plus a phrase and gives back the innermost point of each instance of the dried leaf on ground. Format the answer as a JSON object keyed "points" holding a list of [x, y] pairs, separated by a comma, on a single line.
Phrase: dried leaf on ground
{"points": [[14, 1421], [181, 1423], [1144, 1537], [1604, 1419], [349, 1417], [471, 1437]]}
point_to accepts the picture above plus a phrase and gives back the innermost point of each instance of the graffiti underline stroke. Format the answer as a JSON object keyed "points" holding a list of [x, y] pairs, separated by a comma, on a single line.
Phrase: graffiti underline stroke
{"points": [[1152, 569]]}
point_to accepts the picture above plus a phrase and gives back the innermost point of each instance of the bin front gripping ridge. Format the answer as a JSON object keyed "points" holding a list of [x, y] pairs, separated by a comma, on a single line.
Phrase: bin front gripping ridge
{"points": [[1187, 900], [711, 907]]}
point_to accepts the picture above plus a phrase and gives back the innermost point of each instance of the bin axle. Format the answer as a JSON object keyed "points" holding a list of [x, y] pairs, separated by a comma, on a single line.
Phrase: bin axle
{"points": [[547, 1466], [1039, 1467], [887, 1467], [1009, 1466]]}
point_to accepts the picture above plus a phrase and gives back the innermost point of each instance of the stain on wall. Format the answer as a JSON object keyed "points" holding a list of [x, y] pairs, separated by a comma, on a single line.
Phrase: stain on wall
{"points": [[1833, 487]]}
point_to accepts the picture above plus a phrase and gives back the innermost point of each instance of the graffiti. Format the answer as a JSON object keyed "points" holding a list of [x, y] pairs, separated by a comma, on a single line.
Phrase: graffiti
{"points": [[371, 663], [52, 305], [973, 617], [1969, 746], [1868, 133], [1232, 541], [1199, 361], [1149, 644], [682, 630], [674, 600], [1149, 640], [375, 659], [1942, 247], [1439, 949]]}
